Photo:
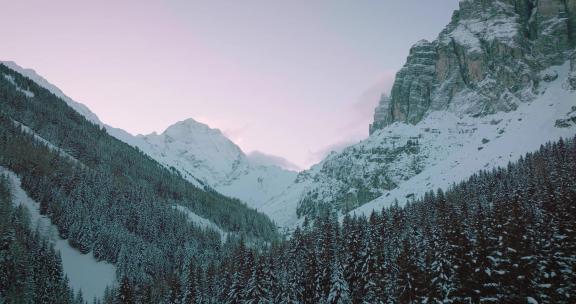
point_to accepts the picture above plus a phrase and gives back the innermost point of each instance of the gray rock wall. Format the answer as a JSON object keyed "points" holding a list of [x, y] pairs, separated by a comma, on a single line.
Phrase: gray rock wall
{"points": [[487, 59]]}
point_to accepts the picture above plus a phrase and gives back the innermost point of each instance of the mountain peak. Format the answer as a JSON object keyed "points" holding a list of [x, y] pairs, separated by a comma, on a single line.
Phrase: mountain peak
{"points": [[421, 42], [205, 154], [190, 124], [190, 129]]}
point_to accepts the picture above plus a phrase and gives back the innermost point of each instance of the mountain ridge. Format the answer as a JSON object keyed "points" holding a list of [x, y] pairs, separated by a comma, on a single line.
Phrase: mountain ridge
{"points": [[492, 59], [202, 155]]}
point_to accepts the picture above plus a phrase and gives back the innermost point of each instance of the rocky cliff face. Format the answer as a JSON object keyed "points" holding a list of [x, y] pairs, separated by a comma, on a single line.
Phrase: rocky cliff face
{"points": [[499, 80], [402, 161], [487, 59]]}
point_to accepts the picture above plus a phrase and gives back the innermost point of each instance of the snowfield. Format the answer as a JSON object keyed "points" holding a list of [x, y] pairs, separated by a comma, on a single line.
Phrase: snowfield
{"points": [[83, 270]]}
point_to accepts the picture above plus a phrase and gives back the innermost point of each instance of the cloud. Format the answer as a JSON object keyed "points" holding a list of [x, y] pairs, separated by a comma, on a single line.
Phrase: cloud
{"points": [[317, 156], [362, 111], [260, 158], [356, 118], [233, 133], [236, 134]]}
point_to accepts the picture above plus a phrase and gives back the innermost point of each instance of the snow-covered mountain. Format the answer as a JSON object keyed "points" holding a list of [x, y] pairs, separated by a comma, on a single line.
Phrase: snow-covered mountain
{"points": [[498, 82], [403, 161], [203, 155]]}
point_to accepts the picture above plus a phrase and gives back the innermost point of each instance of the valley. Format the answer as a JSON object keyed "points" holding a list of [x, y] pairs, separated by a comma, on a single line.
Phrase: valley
{"points": [[463, 190]]}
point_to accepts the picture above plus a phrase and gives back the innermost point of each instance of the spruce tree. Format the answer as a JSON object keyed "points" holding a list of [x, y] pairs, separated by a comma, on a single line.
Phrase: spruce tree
{"points": [[339, 290], [125, 292], [256, 291]]}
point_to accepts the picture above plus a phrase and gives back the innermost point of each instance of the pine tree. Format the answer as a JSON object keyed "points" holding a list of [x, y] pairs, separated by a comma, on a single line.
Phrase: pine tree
{"points": [[328, 228], [79, 298], [270, 275], [339, 291], [235, 291], [256, 291], [175, 295], [211, 284], [312, 291], [125, 292], [518, 262], [409, 285], [192, 294]]}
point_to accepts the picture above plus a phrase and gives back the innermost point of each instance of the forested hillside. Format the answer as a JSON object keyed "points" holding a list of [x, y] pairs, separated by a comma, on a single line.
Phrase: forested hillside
{"points": [[24, 101], [107, 197], [503, 236], [30, 269]]}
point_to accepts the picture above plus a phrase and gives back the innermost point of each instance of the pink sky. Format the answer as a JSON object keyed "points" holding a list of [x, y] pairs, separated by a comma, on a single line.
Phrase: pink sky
{"points": [[291, 78]]}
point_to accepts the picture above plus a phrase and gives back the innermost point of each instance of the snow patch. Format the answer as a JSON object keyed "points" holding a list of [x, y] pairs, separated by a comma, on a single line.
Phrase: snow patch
{"points": [[26, 92], [469, 32], [201, 222], [39, 138]]}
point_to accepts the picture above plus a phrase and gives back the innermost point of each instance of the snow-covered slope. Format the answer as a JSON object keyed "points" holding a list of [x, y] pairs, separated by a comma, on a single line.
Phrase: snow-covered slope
{"points": [[75, 264], [40, 139], [402, 161], [203, 155], [207, 151], [466, 145], [201, 222]]}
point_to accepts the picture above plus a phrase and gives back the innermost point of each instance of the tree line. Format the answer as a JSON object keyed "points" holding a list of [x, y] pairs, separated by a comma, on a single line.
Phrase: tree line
{"points": [[502, 236]]}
